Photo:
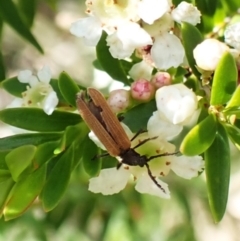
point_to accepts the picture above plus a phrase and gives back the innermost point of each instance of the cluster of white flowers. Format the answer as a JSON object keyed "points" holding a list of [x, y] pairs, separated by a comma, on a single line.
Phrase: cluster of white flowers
{"points": [[177, 106], [135, 24], [39, 93]]}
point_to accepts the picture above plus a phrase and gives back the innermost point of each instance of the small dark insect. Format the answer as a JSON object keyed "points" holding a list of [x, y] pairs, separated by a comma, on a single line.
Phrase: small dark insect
{"points": [[97, 114]]}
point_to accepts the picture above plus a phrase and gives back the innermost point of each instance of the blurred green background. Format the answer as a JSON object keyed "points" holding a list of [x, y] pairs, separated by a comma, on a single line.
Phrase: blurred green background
{"points": [[81, 215]]}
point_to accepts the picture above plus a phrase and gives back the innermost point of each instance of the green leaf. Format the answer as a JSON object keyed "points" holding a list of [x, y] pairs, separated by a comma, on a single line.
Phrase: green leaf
{"points": [[81, 132], [24, 193], [2, 67], [68, 88], [111, 65], [14, 87], [200, 137], [10, 14], [5, 188], [3, 164], [44, 153], [235, 99], [224, 80], [27, 10], [19, 159], [54, 84], [191, 38], [91, 165], [233, 133], [34, 119], [137, 118], [217, 165], [11, 142], [207, 7], [235, 110], [58, 181], [4, 175]]}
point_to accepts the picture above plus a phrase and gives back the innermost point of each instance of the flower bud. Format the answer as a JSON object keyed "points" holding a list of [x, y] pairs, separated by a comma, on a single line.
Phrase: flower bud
{"points": [[208, 53], [161, 79], [142, 90], [118, 100]]}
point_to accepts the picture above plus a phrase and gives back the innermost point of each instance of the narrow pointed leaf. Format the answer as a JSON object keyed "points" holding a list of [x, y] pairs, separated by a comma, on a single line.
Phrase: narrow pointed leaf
{"points": [[24, 193], [235, 99], [5, 188], [91, 163], [19, 159], [200, 137], [34, 119], [68, 88], [14, 87], [27, 10], [11, 142], [224, 80], [191, 38], [233, 133], [57, 181], [44, 153], [10, 14], [111, 65], [217, 164]]}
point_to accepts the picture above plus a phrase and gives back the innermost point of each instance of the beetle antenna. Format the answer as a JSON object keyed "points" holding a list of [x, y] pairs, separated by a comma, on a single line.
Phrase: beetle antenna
{"points": [[138, 133], [164, 154], [100, 155], [144, 141], [153, 178]]}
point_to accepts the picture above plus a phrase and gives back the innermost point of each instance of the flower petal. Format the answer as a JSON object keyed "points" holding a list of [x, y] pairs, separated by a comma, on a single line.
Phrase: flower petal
{"points": [[109, 181], [44, 74], [151, 10], [24, 76], [167, 51], [126, 39], [88, 28], [158, 126], [50, 102], [146, 185], [186, 12], [187, 167]]}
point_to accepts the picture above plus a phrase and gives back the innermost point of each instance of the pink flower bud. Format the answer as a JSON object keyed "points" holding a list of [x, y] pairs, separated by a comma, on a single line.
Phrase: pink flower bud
{"points": [[142, 90], [118, 100], [161, 79]]}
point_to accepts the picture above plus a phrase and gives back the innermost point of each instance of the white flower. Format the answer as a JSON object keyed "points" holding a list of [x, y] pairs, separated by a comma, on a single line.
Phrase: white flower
{"points": [[90, 29], [208, 53], [167, 51], [126, 39], [39, 93], [186, 12], [103, 15], [177, 106], [111, 180], [232, 35], [141, 70], [176, 103], [151, 10]]}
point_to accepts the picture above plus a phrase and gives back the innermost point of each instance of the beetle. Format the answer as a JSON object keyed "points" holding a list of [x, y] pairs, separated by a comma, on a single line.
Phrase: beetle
{"points": [[99, 117]]}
